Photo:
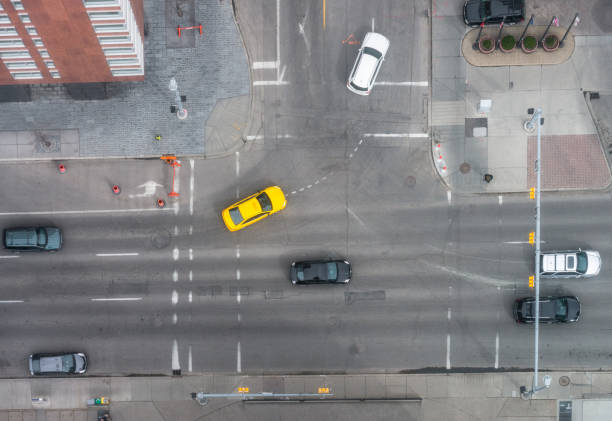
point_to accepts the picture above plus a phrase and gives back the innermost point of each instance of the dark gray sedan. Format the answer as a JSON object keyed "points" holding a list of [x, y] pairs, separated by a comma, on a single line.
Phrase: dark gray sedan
{"points": [[552, 309], [321, 272]]}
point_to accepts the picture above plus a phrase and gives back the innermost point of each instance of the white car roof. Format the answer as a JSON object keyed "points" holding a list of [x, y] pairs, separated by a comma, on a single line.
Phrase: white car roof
{"points": [[376, 41]]}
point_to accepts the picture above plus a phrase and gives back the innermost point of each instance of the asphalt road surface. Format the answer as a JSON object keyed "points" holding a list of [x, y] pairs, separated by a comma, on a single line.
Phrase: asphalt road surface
{"points": [[147, 290]]}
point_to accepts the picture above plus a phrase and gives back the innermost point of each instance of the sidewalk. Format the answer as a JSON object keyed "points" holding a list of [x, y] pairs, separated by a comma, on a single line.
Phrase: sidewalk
{"points": [[426, 397], [120, 120], [468, 143]]}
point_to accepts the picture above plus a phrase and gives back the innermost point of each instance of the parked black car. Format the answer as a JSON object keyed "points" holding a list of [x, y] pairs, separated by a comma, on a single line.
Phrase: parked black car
{"points": [[552, 309], [57, 364], [493, 11], [32, 239], [321, 272]]}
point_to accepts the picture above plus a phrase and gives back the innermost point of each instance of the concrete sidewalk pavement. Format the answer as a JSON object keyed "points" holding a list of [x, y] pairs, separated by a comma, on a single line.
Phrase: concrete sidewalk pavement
{"points": [[422, 397], [468, 142]]}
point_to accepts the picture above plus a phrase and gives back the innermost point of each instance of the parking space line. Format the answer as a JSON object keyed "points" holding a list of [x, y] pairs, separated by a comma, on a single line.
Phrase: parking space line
{"points": [[406, 83], [76, 212], [257, 65]]}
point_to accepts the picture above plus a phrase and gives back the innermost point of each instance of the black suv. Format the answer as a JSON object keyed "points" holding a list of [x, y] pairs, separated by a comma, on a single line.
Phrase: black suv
{"points": [[552, 309], [493, 11]]}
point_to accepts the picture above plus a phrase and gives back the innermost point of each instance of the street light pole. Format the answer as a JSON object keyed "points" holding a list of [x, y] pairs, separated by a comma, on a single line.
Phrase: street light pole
{"points": [[529, 126], [181, 112]]}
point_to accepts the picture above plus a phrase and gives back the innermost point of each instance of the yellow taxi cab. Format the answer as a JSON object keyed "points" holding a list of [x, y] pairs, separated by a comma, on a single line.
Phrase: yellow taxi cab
{"points": [[254, 208]]}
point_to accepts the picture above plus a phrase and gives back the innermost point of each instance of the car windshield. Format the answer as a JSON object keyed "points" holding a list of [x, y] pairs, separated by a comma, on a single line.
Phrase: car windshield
{"points": [[42, 237], [372, 52], [264, 202], [332, 271], [236, 215], [561, 309], [583, 260], [67, 363], [485, 9]]}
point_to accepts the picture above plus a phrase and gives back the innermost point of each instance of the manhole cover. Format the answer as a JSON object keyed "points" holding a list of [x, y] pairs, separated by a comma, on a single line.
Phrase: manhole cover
{"points": [[564, 380], [47, 143], [465, 168], [161, 239], [410, 181]]}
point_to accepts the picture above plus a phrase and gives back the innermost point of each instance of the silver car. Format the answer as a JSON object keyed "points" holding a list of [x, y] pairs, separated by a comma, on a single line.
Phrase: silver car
{"points": [[570, 264], [57, 364]]}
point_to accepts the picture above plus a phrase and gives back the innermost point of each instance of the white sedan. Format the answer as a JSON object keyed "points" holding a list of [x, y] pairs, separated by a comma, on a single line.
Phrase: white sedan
{"points": [[368, 62]]}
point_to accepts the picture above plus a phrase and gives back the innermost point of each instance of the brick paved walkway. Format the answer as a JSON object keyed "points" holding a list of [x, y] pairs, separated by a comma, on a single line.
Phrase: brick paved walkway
{"points": [[125, 124], [569, 162]]}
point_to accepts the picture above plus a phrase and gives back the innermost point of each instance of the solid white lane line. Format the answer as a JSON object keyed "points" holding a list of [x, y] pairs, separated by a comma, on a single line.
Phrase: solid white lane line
{"points": [[190, 254], [116, 254], [11, 301], [407, 83], [269, 83], [257, 65], [189, 361], [238, 359], [76, 212], [521, 242], [448, 340], [449, 196], [174, 297], [396, 135], [175, 276], [497, 350], [9, 257], [175, 356], [277, 38], [191, 186], [118, 299], [175, 253]]}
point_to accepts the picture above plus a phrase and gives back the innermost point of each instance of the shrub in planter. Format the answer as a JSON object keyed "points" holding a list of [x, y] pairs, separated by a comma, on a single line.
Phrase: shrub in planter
{"points": [[486, 45], [507, 43], [529, 44], [551, 43]]}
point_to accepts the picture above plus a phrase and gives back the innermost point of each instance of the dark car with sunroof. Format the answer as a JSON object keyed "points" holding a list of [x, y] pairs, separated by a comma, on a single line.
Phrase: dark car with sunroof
{"points": [[564, 309], [321, 272], [493, 11]]}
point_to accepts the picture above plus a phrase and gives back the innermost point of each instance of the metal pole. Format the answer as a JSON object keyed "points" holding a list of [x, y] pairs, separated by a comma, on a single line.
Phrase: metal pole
{"points": [[526, 27], [501, 26], [541, 41], [568, 29], [537, 115], [475, 45]]}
